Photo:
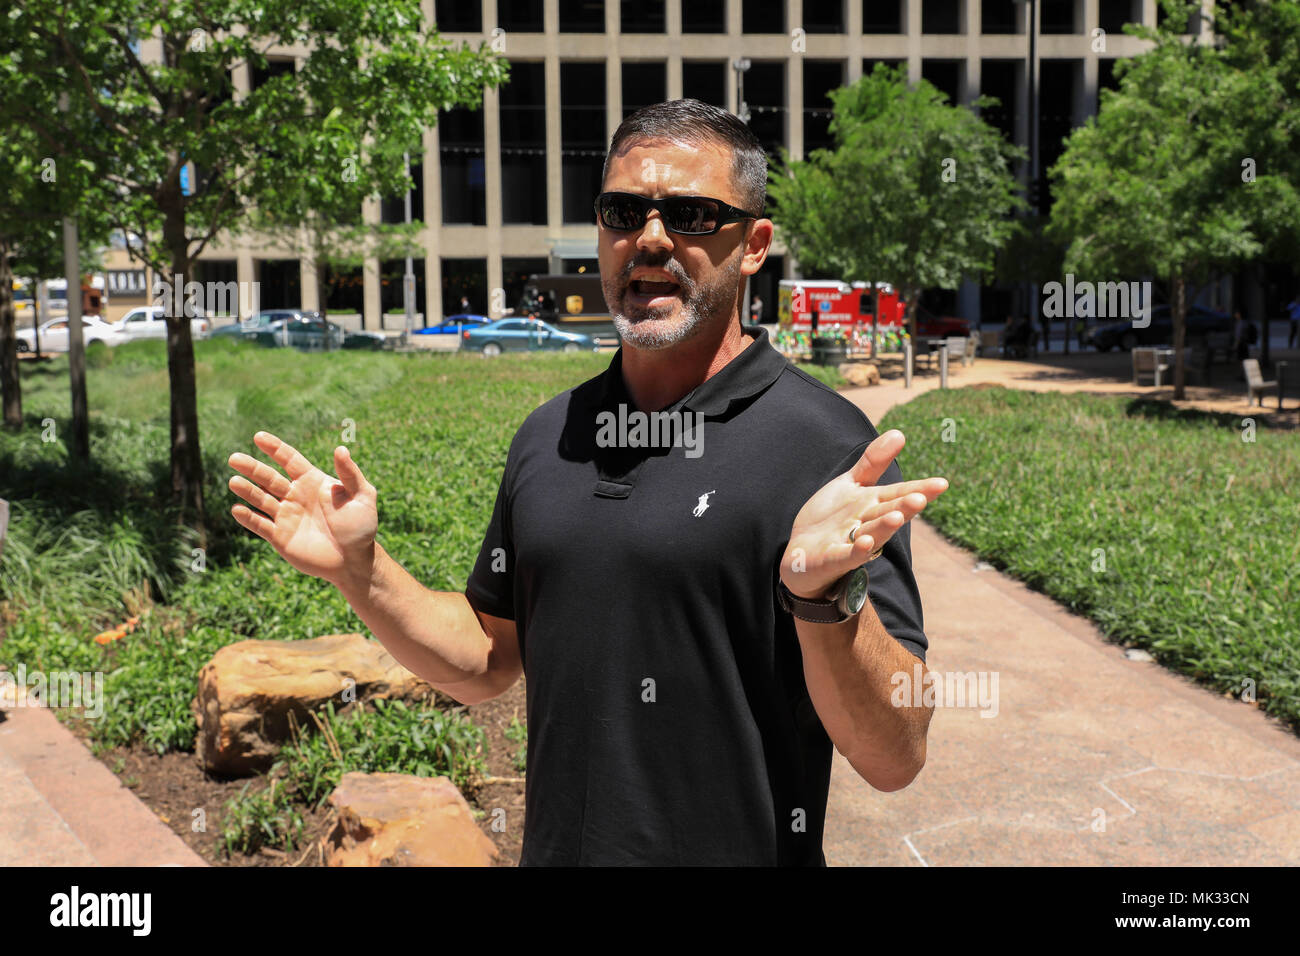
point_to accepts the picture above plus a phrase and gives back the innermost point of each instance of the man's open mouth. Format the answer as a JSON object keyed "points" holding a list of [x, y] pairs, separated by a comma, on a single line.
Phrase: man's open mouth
{"points": [[645, 287]]}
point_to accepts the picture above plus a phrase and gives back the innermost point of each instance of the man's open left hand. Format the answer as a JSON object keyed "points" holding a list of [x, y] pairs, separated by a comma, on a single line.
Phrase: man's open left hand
{"points": [[820, 552]]}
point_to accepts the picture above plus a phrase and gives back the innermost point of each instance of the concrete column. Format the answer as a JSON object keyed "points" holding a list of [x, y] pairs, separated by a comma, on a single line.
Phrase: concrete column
{"points": [[307, 282], [432, 236], [492, 151], [372, 316], [912, 26], [673, 32], [853, 45], [554, 167]]}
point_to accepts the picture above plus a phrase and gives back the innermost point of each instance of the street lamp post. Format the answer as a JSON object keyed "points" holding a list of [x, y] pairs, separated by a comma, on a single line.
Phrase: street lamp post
{"points": [[741, 66], [408, 280], [1032, 30]]}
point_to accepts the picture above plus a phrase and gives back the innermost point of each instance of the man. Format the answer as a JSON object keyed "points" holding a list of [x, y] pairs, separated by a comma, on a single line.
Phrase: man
{"points": [[691, 615], [756, 310], [464, 305]]}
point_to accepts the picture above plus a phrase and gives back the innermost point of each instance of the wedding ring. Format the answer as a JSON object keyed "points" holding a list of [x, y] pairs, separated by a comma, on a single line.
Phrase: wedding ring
{"points": [[853, 531]]}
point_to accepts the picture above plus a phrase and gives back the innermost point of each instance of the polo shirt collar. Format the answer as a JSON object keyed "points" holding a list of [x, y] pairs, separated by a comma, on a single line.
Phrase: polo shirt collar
{"points": [[747, 374]]}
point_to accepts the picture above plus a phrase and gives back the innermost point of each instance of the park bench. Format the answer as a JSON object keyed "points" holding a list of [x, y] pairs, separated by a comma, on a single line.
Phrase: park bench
{"points": [[958, 346], [988, 343], [1150, 361], [1255, 384]]}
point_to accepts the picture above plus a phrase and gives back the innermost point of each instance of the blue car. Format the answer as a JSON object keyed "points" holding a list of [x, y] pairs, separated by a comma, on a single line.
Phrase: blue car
{"points": [[454, 325], [523, 335]]}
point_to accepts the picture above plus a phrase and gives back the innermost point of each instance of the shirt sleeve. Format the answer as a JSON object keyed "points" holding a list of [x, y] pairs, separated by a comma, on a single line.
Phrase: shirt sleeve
{"points": [[891, 586], [491, 585]]}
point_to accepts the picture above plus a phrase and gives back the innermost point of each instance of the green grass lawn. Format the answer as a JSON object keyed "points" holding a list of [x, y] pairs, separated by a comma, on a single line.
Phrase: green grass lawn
{"points": [[1165, 527]]}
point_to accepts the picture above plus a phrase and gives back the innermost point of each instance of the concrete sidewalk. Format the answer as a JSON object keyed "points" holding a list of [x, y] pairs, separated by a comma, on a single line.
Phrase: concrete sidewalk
{"points": [[1091, 759], [59, 806]]}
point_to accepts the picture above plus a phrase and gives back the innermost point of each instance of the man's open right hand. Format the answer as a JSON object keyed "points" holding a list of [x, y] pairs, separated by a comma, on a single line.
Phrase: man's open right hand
{"points": [[321, 525]]}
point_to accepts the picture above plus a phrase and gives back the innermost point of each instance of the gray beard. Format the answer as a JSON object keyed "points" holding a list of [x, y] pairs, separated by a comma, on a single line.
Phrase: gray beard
{"points": [[698, 305]]}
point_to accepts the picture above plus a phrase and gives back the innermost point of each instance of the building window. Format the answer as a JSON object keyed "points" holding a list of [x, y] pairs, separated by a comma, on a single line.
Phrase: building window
{"points": [[1113, 14], [461, 157], [765, 92], [869, 65], [819, 78], [706, 81], [883, 16], [999, 17], [392, 297], [582, 132], [342, 290], [1057, 16], [941, 16], [582, 16], [523, 145], [762, 16], [281, 283], [704, 16], [643, 84], [464, 278], [521, 16], [260, 75], [823, 16], [393, 208], [641, 16], [946, 76], [458, 16], [1000, 79]]}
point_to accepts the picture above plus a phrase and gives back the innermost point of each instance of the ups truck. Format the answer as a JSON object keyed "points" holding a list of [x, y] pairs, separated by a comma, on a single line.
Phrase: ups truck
{"points": [[574, 303]]}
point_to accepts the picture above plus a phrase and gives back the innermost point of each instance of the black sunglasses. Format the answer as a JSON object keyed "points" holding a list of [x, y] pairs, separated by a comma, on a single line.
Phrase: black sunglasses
{"points": [[685, 215]]}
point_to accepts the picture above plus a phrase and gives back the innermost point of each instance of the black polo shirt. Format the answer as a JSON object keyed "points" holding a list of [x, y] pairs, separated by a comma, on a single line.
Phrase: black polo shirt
{"points": [[668, 718]]}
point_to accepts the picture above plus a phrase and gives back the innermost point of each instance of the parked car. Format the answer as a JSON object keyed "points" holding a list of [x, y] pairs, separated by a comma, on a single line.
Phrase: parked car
{"points": [[454, 325], [1200, 322], [54, 334], [247, 330], [150, 322], [302, 330], [523, 335], [363, 339]]}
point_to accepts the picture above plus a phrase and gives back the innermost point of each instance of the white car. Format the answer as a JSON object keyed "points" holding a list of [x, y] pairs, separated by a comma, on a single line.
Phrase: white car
{"points": [[149, 322], [54, 334]]}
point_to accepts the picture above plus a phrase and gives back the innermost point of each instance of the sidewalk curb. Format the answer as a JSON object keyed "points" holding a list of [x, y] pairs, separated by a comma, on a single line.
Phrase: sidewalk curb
{"points": [[107, 818]]}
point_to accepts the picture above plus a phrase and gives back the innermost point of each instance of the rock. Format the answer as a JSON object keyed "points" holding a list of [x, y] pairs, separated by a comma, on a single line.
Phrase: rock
{"points": [[394, 819], [248, 690], [1137, 654], [860, 373]]}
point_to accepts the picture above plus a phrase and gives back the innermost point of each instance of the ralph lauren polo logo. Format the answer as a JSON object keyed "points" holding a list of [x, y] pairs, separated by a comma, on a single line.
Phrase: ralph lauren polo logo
{"points": [[703, 504]]}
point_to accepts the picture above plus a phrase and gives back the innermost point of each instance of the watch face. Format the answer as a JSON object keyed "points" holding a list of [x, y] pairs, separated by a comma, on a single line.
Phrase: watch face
{"points": [[855, 591]]}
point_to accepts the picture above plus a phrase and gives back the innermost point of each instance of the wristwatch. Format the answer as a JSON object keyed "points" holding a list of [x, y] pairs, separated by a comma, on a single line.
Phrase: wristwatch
{"points": [[842, 601]]}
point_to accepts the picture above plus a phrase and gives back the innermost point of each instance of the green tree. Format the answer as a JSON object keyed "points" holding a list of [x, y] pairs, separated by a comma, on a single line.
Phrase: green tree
{"points": [[916, 192], [35, 194], [1155, 183], [152, 89]]}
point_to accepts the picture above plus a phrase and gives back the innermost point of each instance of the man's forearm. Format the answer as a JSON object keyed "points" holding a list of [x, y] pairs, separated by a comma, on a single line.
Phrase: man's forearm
{"points": [[434, 634], [849, 669]]}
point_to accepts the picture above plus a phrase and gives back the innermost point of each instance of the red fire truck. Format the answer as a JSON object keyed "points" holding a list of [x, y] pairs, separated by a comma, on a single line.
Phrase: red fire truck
{"points": [[848, 307]]}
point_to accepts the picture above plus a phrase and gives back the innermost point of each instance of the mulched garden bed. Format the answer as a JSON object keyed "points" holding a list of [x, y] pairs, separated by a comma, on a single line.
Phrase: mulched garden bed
{"points": [[173, 785]]}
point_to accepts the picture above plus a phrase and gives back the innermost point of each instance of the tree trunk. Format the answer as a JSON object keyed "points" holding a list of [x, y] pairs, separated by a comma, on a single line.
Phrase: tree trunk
{"points": [[10, 383], [186, 461], [1178, 310], [79, 440], [910, 297]]}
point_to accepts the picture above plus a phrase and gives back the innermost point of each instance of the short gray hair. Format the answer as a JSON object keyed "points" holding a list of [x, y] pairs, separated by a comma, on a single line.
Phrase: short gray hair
{"points": [[690, 121]]}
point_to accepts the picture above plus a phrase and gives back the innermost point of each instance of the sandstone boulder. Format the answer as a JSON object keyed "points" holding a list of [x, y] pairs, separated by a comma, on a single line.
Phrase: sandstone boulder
{"points": [[248, 690], [393, 819], [860, 373]]}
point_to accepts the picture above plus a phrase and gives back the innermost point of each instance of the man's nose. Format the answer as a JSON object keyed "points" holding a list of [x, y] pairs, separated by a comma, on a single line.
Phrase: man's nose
{"points": [[653, 234]]}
